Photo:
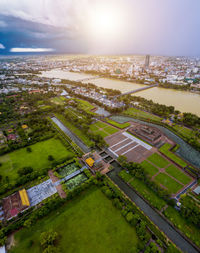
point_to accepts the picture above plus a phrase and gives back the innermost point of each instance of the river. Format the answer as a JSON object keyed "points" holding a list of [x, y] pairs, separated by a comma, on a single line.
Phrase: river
{"points": [[183, 101]]}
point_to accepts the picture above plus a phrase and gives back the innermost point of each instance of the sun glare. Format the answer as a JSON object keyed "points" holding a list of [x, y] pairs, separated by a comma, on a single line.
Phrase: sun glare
{"points": [[104, 22]]}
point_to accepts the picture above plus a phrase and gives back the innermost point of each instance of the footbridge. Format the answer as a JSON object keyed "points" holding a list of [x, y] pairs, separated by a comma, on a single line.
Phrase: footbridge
{"points": [[137, 90]]}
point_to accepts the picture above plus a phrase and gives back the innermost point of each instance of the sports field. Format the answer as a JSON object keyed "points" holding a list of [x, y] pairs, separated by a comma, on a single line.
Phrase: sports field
{"points": [[89, 223], [103, 129], [37, 159]]}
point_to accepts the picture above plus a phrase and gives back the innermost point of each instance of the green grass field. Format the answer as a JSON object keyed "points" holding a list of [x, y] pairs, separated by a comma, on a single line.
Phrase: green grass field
{"points": [[75, 130], [116, 124], [58, 100], [37, 159], [141, 114], [89, 223], [85, 105], [149, 168], [158, 160], [165, 150], [178, 174], [103, 129], [168, 182]]}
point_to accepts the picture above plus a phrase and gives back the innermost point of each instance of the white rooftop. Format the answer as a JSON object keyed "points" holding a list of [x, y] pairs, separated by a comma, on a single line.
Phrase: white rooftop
{"points": [[197, 190]]}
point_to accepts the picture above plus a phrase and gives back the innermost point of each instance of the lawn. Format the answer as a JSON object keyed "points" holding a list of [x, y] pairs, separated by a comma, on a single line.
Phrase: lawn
{"points": [[75, 130], [37, 159], [178, 174], [165, 150], [103, 129], [158, 160], [187, 228], [119, 125], [141, 114], [144, 190], [89, 223], [184, 131], [149, 168], [58, 100], [168, 182], [85, 105]]}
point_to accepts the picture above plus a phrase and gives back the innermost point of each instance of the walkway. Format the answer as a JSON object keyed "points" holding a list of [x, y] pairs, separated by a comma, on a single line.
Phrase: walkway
{"points": [[184, 191], [162, 224], [72, 136]]}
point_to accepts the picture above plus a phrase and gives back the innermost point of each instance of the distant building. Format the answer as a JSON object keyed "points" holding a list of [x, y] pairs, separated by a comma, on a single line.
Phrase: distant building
{"points": [[147, 61]]}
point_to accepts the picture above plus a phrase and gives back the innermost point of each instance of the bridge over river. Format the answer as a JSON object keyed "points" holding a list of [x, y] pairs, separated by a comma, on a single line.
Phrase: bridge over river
{"points": [[137, 90]]}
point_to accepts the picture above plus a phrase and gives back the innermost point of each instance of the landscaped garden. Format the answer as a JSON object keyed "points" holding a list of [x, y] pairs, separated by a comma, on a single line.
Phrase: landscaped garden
{"points": [[37, 158], [143, 189], [85, 105], [75, 181], [158, 160], [87, 223], [149, 168], [103, 129], [165, 150], [119, 125], [133, 112], [75, 130], [58, 100], [68, 169]]}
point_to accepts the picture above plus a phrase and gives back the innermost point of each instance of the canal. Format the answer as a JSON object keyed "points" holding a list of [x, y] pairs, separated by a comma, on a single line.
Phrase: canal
{"points": [[160, 222]]}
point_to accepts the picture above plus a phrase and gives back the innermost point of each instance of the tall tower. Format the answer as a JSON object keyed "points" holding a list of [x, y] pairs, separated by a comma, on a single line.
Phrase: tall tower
{"points": [[147, 60]]}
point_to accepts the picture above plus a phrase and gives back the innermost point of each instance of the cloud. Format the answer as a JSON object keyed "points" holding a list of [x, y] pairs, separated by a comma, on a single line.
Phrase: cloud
{"points": [[2, 46], [2, 24], [30, 50]]}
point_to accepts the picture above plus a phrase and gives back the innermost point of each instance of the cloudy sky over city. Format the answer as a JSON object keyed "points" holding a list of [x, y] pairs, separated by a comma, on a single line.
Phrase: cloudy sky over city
{"points": [[170, 27]]}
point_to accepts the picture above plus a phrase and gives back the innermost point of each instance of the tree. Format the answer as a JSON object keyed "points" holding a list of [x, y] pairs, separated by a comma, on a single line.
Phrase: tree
{"points": [[50, 158], [48, 238]]}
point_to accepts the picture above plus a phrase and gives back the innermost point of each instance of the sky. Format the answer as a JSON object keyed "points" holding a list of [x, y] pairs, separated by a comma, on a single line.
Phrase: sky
{"points": [[156, 27]]}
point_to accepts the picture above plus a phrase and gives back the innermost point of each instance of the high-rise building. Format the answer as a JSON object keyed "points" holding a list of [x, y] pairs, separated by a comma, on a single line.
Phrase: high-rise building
{"points": [[147, 61]]}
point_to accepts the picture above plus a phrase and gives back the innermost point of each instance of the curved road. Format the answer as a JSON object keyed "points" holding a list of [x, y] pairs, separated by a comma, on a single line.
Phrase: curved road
{"points": [[163, 225]]}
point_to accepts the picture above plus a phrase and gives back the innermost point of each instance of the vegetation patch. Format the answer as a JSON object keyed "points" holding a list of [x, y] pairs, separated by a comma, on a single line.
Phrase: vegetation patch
{"points": [[178, 174], [165, 150], [119, 125], [87, 222], [141, 114], [190, 230], [158, 160], [103, 129], [37, 158], [168, 182], [149, 168]]}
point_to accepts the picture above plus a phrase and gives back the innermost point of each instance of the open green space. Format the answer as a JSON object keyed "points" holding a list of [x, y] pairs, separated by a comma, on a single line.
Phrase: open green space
{"points": [[183, 225], [37, 159], [85, 105], [103, 129], [143, 189], [168, 182], [158, 160], [178, 174], [87, 223], [58, 100], [75, 130], [141, 114], [119, 125], [184, 131], [149, 168], [165, 150]]}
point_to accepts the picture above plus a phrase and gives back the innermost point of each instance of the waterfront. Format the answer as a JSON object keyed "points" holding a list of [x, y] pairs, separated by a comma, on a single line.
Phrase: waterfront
{"points": [[182, 100]]}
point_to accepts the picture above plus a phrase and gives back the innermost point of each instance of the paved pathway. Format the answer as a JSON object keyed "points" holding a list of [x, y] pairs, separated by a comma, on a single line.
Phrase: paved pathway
{"points": [[72, 136]]}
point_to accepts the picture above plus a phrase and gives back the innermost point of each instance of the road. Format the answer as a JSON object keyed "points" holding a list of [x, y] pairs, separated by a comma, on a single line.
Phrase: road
{"points": [[71, 135]]}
